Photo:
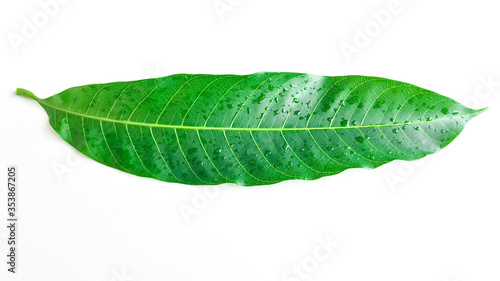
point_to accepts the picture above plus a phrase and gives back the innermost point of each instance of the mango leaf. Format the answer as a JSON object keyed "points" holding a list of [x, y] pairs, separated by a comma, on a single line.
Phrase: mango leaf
{"points": [[253, 129]]}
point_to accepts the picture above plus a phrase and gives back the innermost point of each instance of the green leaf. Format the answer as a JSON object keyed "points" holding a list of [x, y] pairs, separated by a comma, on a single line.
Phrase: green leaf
{"points": [[253, 129]]}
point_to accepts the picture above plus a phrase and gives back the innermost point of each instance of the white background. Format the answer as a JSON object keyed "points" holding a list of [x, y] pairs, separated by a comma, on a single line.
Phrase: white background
{"points": [[436, 219]]}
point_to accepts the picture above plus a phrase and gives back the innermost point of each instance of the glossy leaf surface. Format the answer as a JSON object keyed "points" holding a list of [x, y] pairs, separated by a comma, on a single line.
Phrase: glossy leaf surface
{"points": [[253, 129]]}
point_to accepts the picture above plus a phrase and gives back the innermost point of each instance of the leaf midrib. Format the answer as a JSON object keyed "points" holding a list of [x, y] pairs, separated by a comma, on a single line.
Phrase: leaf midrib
{"points": [[268, 129]]}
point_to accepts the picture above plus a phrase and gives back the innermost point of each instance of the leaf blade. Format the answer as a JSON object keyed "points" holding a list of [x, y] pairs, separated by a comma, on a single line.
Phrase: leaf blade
{"points": [[253, 129]]}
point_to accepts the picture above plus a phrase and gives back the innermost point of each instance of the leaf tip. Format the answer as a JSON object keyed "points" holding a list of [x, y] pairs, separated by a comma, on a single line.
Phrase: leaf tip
{"points": [[479, 111], [26, 93]]}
